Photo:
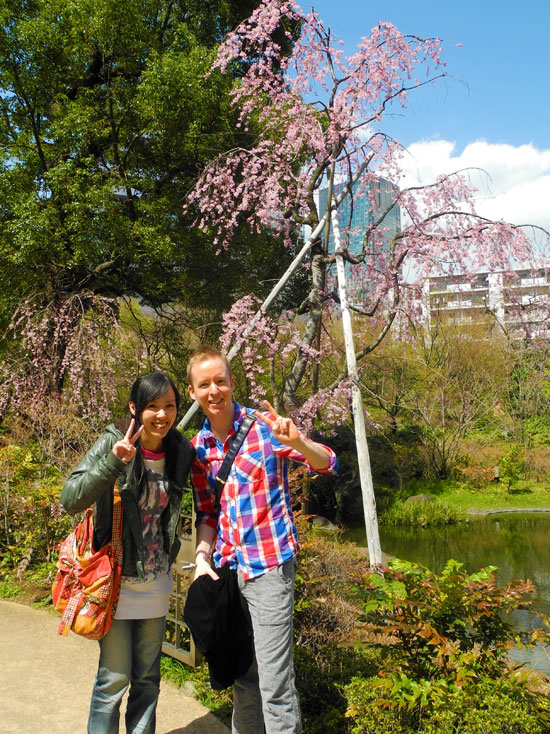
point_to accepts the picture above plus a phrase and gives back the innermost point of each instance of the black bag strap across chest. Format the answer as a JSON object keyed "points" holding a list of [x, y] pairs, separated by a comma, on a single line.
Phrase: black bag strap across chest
{"points": [[229, 458]]}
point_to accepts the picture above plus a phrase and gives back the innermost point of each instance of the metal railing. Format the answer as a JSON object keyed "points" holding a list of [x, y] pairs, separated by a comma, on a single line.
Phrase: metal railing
{"points": [[180, 644]]}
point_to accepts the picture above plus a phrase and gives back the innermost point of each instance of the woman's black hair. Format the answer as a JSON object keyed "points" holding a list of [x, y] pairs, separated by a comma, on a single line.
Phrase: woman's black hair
{"points": [[145, 389]]}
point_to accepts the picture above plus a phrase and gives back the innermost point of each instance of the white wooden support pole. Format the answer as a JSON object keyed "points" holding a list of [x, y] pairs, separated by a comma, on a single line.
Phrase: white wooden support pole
{"points": [[365, 474]]}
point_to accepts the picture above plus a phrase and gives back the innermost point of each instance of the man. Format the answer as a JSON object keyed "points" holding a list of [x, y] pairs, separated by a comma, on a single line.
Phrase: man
{"points": [[254, 533]]}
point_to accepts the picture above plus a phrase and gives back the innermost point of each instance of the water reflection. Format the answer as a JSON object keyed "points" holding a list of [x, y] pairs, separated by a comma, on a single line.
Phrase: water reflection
{"points": [[517, 544]]}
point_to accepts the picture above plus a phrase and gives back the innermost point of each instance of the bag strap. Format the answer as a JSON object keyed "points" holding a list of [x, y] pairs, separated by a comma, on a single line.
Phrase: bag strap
{"points": [[86, 527], [232, 452], [116, 538]]}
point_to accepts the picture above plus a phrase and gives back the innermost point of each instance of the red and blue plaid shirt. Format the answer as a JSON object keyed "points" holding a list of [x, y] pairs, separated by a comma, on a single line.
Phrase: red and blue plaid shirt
{"points": [[255, 525]]}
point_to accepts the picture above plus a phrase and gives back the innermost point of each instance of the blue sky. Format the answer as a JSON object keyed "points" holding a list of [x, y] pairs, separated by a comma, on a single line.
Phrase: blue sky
{"points": [[495, 113], [502, 68]]}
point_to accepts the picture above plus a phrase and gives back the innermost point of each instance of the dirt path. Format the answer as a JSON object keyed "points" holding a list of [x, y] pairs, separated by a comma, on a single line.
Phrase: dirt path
{"points": [[46, 681]]}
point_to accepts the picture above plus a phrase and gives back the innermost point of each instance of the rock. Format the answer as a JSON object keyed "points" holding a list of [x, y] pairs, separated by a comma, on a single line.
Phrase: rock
{"points": [[190, 689], [420, 498], [318, 521]]}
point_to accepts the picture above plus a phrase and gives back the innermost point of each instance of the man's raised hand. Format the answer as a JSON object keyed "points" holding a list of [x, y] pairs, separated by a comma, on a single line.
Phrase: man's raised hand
{"points": [[283, 429]]}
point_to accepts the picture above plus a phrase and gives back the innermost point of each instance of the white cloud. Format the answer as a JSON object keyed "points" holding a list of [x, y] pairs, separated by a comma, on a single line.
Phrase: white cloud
{"points": [[514, 183]]}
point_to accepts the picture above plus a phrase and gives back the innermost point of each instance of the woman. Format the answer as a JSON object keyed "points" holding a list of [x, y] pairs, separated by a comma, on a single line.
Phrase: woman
{"points": [[149, 460]]}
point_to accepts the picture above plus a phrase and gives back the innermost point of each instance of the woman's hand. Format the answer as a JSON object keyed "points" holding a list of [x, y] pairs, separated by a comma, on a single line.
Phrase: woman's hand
{"points": [[125, 449]]}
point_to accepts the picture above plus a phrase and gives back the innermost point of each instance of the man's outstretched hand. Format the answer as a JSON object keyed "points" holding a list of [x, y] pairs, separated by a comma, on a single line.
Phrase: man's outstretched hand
{"points": [[284, 429]]}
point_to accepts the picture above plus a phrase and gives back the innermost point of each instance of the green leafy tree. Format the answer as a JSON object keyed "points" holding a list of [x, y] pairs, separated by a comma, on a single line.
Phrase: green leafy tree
{"points": [[512, 466], [525, 401], [107, 115], [454, 392]]}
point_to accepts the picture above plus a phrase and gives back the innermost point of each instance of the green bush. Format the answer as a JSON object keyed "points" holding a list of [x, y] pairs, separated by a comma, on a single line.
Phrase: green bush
{"points": [[33, 520], [512, 466], [365, 713], [476, 711], [8, 590], [445, 639], [482, 712]]}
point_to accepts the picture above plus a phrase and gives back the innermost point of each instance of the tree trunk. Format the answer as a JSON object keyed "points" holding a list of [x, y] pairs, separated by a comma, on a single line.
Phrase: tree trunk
{"points": [[313, 322]]}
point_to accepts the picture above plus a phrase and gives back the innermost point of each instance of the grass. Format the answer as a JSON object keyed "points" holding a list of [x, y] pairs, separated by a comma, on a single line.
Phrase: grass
{"points": [[496, 496], [9, 590], [218, 702], [491, 496], [423, 514]]}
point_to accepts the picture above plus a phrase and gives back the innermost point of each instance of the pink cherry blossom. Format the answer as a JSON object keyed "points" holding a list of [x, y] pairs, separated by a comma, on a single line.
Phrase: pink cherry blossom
{"points": [[317, 112], [64, 355]]}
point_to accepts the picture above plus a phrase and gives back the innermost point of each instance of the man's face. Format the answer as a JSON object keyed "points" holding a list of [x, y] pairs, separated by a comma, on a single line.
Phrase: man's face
{"points": [[212, 387]]}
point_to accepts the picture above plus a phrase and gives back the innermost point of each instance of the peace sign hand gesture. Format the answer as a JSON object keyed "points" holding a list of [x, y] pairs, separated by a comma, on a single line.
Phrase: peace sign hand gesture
{"points": [[125, 449], [284, 429]]}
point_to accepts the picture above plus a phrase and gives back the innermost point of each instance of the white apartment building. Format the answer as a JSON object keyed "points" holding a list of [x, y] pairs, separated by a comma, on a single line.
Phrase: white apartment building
{"points": [[516, 302]]}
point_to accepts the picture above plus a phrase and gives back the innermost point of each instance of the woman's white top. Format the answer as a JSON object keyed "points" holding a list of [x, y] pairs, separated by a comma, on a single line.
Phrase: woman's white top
{"points": [[148, 598]]}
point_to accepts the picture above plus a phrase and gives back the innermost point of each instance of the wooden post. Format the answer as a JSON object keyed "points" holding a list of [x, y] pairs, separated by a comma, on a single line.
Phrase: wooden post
{"points": [[367, 487]]}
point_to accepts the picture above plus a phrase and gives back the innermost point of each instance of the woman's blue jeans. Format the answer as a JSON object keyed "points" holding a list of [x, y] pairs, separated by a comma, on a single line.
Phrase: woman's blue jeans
{"points": [[129, 656]]}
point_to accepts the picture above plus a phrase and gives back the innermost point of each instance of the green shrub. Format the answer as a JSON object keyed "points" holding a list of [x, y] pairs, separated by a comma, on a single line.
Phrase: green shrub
{"points": [[365, 713], [512, 466], [498, 713], [446, 639], [476, 711], [187, 503], [8, 589], [33, 521]]}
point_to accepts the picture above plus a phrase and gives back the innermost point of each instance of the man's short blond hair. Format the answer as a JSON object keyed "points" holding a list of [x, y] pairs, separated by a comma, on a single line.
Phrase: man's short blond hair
{"points": [[203, 353]]}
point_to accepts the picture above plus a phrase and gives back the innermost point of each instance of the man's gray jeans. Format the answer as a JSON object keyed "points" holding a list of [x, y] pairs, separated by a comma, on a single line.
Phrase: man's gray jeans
{"points": [[267, 695]]}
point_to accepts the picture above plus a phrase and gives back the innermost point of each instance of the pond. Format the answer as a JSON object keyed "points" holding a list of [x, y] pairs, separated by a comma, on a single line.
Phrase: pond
{"points": [[517, 544]]}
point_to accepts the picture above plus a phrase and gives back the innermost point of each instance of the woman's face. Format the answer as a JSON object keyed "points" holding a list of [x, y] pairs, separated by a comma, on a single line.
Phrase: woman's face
{"points": [[157, 418]]}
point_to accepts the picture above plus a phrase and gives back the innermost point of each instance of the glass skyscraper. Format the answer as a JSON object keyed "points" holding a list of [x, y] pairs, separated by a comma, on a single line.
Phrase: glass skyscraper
{"points": [[367, 207]]}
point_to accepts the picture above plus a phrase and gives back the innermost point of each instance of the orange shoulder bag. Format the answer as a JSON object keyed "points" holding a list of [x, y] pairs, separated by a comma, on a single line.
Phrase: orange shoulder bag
{"points": [[86, 586]]}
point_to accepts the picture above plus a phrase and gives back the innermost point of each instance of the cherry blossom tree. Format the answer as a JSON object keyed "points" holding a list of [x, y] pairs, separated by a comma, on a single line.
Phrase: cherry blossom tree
{"points": [[322, 116], [62, 342]]}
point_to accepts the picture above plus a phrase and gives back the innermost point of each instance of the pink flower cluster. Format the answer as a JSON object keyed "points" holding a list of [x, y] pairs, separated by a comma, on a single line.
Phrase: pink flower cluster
{"points": [[269, 345], [328, 408], [312, 107], [62, 354]]}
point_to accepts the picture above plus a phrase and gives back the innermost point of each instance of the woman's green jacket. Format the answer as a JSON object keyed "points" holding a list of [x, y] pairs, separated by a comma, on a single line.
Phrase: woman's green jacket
{"points": [[92, 483]]}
